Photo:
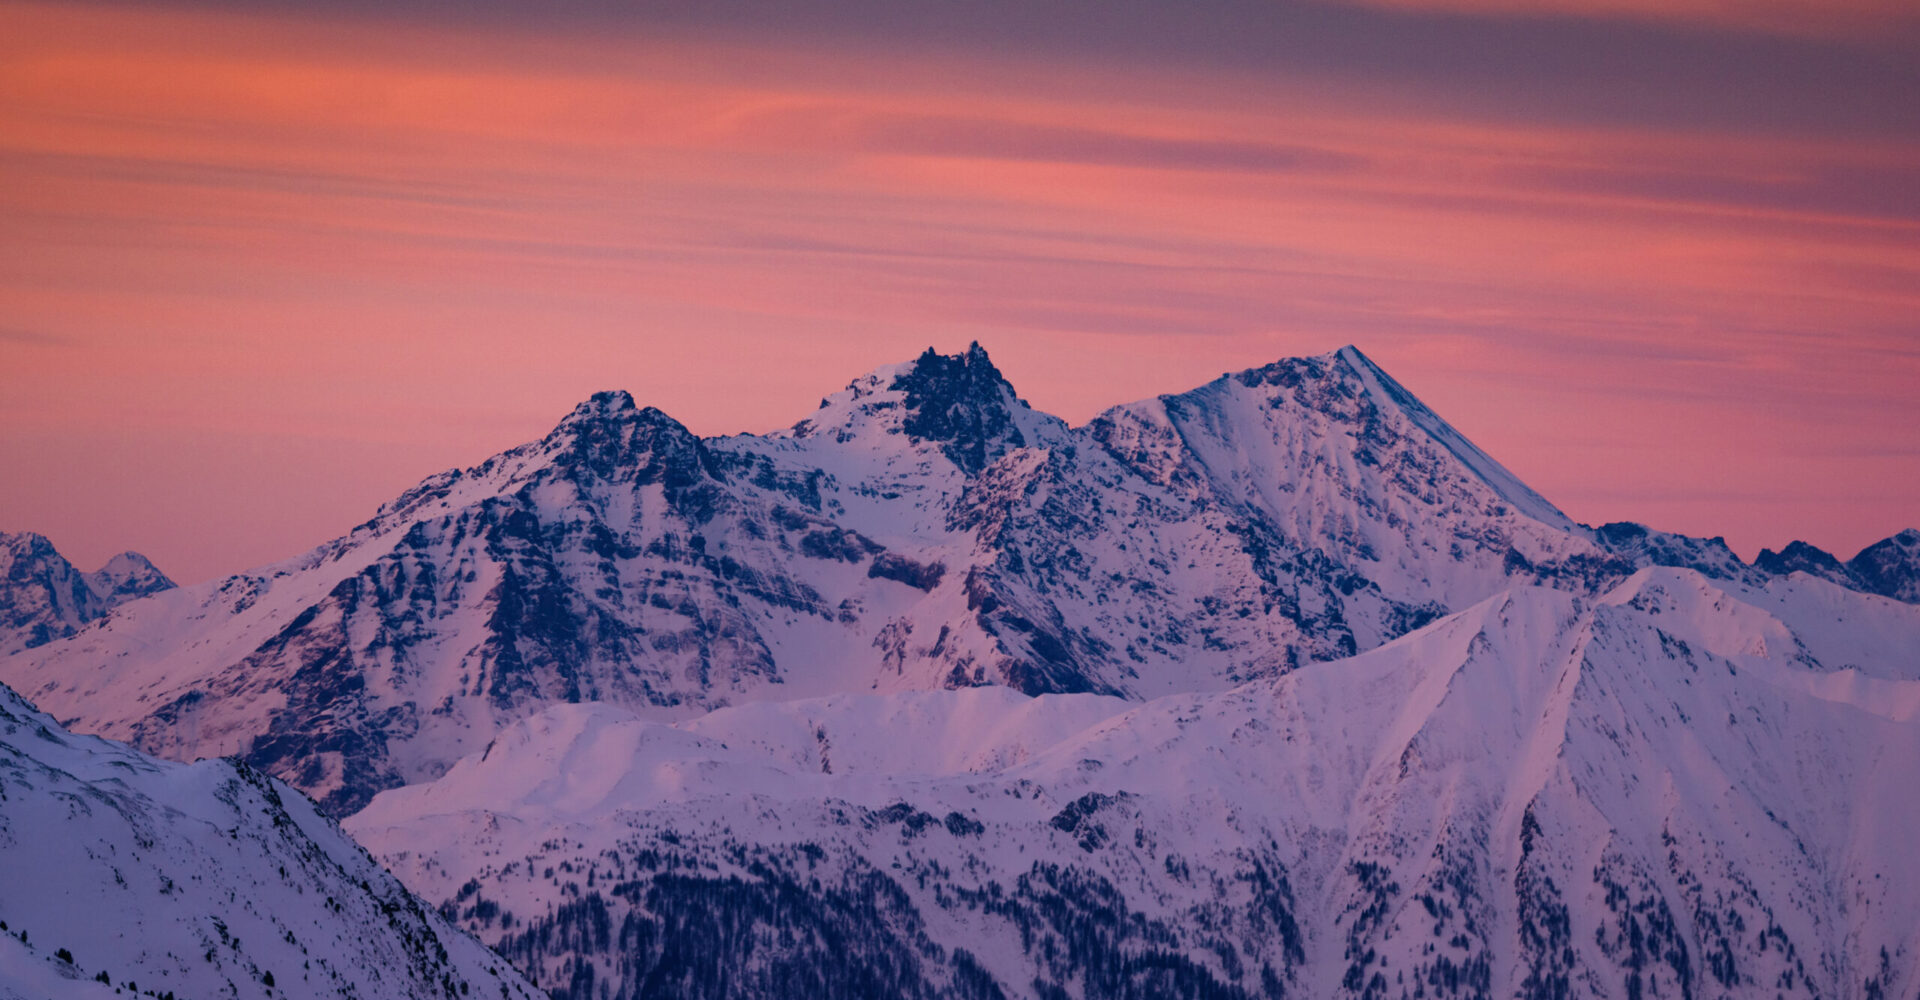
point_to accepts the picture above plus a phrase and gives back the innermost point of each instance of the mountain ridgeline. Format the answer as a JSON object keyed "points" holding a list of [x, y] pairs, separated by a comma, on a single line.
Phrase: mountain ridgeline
{"points": [[1276, 687], [924, 529]]}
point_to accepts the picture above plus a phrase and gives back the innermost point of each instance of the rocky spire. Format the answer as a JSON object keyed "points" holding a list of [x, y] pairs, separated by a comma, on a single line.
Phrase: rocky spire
{"points": [[962, 402]]}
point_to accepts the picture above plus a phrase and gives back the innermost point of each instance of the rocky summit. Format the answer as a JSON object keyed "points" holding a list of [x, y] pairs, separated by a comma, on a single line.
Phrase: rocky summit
{"points": [[1278, 686]]}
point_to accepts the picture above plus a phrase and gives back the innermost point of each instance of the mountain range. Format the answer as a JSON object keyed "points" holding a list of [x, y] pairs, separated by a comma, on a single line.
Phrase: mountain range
{"points": [[1278, 686]]}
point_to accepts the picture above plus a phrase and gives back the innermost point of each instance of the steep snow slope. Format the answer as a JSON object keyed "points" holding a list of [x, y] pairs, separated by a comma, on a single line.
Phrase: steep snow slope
{"points": [[43, 598], [1679, 789], [1506, 485], [200, 880], [26, 975], [924, 529]]}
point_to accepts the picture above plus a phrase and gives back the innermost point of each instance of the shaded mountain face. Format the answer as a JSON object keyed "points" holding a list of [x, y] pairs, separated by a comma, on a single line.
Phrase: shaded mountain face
{"points": [[924, 529], [1799, 557], [1890, 567], [1676, 788], [43, 597], [1644, 546], [199, 880]]}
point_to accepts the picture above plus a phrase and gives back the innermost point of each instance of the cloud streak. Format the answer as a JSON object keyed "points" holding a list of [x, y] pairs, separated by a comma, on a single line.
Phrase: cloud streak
{"points": [[339, 227]]}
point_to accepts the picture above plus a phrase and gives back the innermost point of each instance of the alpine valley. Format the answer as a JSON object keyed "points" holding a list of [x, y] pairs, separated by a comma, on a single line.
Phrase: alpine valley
{"points": [[1276, 687]]}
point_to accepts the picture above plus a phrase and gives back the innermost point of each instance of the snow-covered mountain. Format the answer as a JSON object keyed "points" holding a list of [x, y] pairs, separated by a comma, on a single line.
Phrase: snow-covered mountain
{"points": [[1889, 567], [1275, 687], [120, 872], [925, 529], [1680, 787], [43, 597]]}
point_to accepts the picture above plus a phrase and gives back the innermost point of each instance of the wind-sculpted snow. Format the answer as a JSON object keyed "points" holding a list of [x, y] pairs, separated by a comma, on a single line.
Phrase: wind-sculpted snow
{"points": [[1664, 791], [119, 872], [924, 529]]}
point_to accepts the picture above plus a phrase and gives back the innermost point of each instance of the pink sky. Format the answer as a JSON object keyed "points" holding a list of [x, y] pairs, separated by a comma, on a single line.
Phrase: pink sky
{"points": [[260, 273]]}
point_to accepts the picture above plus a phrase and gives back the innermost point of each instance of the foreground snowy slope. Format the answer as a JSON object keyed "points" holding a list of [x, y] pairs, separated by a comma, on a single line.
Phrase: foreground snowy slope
{"points": [[1680, 788], [199, 880]]}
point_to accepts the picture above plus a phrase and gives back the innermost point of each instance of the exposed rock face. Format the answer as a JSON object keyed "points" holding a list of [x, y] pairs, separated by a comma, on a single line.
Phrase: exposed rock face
{"points": [[1799, 557], [962, 404], [924, 529], [43, 598], [1890, 567], [1276, 687]]}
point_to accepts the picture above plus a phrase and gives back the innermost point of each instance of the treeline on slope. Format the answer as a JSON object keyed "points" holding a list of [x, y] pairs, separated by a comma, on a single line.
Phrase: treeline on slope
{"points": [[794, 923]]}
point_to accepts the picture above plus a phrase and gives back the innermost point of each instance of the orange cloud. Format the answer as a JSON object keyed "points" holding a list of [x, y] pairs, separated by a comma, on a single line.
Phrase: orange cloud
{"points": [[281, 247]]}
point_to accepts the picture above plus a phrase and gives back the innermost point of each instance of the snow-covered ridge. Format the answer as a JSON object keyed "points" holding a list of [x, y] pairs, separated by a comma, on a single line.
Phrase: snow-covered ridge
{"points": [[1274, 687], [924, 529], [1491, 472], [118, 870], [1669, 790]]}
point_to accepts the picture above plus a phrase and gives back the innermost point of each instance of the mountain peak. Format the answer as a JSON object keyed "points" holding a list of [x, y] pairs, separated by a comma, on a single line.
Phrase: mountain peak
{"points": [[960, 402], [971, 369], [1346, 373], [28, 544], [127, 576], [964, 403], [608, 402], [615, 440], [43, 597], [1800, 556], [1890, 567]]}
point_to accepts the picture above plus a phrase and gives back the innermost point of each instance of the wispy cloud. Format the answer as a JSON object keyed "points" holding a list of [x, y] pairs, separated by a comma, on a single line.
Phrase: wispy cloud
{"points": [[1701, 241], [1809, 18], [32, 338]]}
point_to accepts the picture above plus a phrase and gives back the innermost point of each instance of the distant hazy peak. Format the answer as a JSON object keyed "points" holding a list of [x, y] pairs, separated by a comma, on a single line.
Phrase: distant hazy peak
{"points": [[1802, 557], [1890, 567], [43, 597], [127, 576]]}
